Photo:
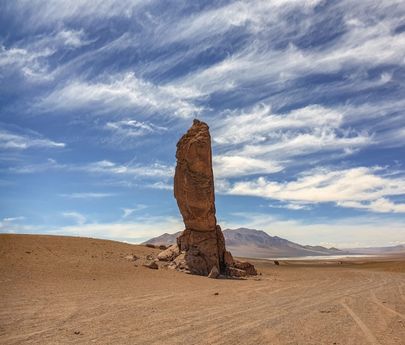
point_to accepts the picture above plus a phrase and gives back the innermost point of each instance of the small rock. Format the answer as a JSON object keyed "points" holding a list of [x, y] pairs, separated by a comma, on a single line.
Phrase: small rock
{"points": [[131, 257], [216, 293], [152, 265], [150, 245], [276, 262], [77, 332], [214, 273]]}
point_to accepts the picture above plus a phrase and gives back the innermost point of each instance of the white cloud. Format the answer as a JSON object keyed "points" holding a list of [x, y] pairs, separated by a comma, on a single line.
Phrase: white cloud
{"points": [[76, 216], [51, 12], [226, 166], [133, 128], [253, 15], [108, 167], [120, 92], [31, 57], [13, 219], [87, 195], [130, 169], [129, 211], [369, 40], [9, 140], [259, 123], [381, 205], [257, 141], [72, 38], [30, 63], [355, 187], [160, 185], [291, 206]]}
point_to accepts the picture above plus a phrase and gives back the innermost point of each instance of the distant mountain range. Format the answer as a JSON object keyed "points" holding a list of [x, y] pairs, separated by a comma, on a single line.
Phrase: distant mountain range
{"points": [[253, 243], [399, 249], [257, 244]]}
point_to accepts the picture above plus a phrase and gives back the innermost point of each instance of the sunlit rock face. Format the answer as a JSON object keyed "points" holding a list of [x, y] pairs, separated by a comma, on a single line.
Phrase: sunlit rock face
{"points": [[202, 240], [201, 244]]}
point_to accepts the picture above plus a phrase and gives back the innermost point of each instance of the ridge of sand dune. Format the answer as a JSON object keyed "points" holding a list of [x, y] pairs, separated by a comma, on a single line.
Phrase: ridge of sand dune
{"points": [[67, 290]]}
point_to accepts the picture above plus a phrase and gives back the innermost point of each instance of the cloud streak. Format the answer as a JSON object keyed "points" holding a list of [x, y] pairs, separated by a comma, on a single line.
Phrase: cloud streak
{"points": [[355, 187], [16, 141]]}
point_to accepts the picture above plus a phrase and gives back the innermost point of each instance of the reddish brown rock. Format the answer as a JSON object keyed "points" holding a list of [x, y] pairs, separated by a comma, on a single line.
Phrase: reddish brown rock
{"points": [[246, 266], [235, 272], [202, 240], [169, 254], [201, 246], [194, 179]]}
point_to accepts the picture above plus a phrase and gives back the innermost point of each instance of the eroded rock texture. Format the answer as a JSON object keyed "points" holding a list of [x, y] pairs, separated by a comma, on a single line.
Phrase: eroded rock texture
{"points": [[202, 240], [201, 246], [194, 179]]}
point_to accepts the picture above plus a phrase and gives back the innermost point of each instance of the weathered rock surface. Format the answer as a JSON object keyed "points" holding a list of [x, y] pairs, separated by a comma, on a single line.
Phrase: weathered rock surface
{"points": [[245, 266], [169, 254], [201, 246], [202, 240], [194, 179]]}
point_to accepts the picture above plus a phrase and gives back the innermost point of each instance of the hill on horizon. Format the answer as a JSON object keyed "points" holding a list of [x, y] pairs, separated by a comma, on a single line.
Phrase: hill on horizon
{"points": [[256, 244]]}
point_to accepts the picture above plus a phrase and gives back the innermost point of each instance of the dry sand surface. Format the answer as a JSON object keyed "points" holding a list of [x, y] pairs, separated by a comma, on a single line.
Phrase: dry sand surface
{"points": [[65, 290]]}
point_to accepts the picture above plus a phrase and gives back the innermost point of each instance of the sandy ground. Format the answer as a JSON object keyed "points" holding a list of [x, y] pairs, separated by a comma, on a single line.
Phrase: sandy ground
{"points": [[64, 290]]}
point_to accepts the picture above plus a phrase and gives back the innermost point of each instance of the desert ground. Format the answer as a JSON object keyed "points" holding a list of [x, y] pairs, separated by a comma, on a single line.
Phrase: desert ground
{"points": [[67, 290]]}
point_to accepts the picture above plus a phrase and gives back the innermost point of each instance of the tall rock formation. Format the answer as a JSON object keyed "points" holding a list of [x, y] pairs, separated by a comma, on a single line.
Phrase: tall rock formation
{"points": [[202, 240], [200, 248]]}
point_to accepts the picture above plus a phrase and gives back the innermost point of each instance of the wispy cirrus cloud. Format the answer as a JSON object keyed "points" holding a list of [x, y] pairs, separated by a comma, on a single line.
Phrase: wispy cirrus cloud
{"points": [[258, 141], [284, 85], [133, 128], [104, 167], [20, 141], [75, 216], [31, 58], [45, 13], [87, 195], [127, 212], [121, 92], [260, 62]]}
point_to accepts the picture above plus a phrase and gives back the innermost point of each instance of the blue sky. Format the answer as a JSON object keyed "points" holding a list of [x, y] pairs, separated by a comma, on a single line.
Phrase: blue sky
{"points": [[304, 99]]}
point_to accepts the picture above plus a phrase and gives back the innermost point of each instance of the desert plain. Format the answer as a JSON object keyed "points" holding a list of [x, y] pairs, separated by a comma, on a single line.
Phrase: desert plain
{"points": [[71, 290]]}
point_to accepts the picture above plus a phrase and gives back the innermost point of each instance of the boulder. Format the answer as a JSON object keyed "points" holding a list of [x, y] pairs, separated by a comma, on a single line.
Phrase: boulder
{"points": [[169, 254], [245, 266], [235, 272]]}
